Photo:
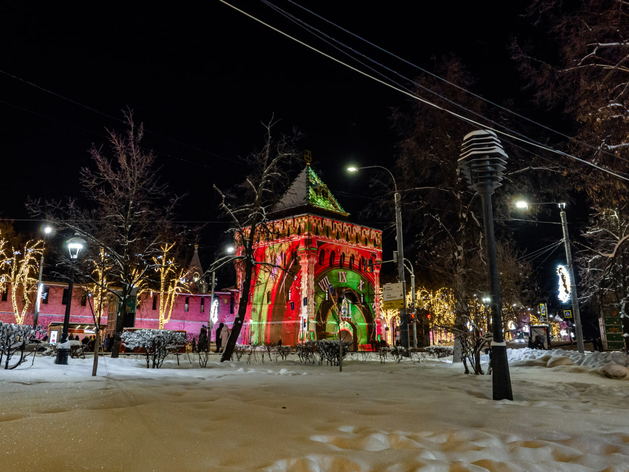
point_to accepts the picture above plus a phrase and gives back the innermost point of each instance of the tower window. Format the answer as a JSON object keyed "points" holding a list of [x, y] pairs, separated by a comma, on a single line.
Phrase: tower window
{"points": [[332, 258], [154, 302], [187, 305]]}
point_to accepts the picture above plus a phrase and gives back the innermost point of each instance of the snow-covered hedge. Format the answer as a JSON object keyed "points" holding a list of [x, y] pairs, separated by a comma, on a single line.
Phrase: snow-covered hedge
{"points": [[154, 343], [13, 339], [439, 351], [326, 350]]}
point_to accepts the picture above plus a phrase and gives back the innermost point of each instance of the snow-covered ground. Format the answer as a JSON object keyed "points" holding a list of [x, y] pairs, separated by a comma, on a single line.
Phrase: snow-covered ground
{"points": [[285, 416]]}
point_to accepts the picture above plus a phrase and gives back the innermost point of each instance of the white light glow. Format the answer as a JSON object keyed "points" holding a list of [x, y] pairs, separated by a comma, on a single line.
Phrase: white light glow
{"points": [[522, 205], [564, 283], [215, 311]]}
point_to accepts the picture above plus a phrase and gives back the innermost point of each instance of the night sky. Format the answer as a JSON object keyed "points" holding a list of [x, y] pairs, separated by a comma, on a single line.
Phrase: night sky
{"points": [[202, 77]]}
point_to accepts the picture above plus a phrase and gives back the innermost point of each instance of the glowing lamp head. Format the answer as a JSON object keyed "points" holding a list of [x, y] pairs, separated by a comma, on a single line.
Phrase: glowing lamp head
{"points": [[230, 249], [522, 205], [47, 230], [75, 246], [486, 299], [352, 169]]}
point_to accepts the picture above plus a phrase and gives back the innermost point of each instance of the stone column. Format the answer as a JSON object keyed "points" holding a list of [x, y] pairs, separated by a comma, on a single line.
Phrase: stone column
{"points": [[307, 259]]}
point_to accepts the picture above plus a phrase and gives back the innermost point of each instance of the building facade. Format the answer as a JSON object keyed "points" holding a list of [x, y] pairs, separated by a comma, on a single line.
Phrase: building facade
{"points": [[320, 272], [191, 311]]}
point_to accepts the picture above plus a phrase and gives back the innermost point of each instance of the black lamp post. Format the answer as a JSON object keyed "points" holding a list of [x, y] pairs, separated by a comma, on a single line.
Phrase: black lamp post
{"points": [[75, 246], [483, 162]]}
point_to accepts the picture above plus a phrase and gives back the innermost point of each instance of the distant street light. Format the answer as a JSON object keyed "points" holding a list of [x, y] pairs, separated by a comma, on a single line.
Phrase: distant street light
{"points": [[47, 231], [523, 204], [404, 334], [213, 268], [75, 245], [483, 161]]}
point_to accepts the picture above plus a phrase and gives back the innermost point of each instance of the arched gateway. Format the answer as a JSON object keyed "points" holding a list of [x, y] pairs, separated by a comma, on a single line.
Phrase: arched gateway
{"points": [[316, 257]]}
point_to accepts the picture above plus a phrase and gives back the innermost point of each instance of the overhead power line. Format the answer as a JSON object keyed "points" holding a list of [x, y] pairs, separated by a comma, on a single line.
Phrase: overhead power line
{"points": [[463, 89], [94, 110], [425, 101]]}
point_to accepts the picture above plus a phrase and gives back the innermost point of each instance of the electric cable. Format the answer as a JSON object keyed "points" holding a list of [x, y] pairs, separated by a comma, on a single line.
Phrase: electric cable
{"points": [[148, 131], [425, 101], [539, 252], [311, 29], [463, 89], [318, 33]]}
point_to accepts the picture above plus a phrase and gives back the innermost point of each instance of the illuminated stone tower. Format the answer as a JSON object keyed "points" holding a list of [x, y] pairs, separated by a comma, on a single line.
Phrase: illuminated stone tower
{"points": [[314, 254]]}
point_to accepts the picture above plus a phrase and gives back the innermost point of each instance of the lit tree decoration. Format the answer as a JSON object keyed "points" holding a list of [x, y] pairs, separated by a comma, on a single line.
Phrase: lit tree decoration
{"points": [[19, 269], [172, 282], [102, 267], [564, 283], [439, 303]]}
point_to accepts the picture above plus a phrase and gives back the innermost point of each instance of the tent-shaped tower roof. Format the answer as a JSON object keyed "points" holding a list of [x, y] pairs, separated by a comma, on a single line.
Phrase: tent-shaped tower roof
{"points": [[308, 194]]}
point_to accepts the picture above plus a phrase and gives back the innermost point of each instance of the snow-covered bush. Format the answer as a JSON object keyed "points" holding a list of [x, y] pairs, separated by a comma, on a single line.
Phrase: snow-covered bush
{"points": [[439, 351], [397, 352], [13, 339], [283, 352], [329, 351], [156, 344], [306, 352], [326, 350]]}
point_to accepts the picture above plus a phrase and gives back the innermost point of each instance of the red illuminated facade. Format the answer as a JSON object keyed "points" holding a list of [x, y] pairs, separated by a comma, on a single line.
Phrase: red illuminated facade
{"points": [[314, 256]]}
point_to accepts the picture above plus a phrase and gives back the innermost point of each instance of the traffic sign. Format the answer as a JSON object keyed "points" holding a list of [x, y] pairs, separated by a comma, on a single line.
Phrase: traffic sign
{"points": [[392, 292], [393, 305]]}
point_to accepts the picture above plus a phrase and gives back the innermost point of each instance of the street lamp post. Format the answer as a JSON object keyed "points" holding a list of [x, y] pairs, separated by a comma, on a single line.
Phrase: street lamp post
{"points": [[404, 335], [413, 302], [47, 231], [217, 264], [483, 162], [573, 286], [75, 246], [524, 205]]}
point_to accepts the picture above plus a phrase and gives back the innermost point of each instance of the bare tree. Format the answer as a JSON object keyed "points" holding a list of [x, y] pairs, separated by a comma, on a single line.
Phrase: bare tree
{"points": [[445, 228], [130, 217], [586, 77], [248, 214]]}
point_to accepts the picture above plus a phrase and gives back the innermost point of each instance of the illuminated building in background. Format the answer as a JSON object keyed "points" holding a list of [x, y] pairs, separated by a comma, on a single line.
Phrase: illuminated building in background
{"points": [[312, 254]]}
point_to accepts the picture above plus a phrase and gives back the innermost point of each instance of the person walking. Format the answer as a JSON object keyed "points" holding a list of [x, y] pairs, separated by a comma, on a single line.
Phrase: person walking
{"points": [[219, 340], [203, 341], [224, 337]]}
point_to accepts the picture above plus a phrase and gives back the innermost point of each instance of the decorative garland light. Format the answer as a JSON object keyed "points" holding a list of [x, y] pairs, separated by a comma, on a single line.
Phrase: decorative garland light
{"points": [[564, 283]]}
